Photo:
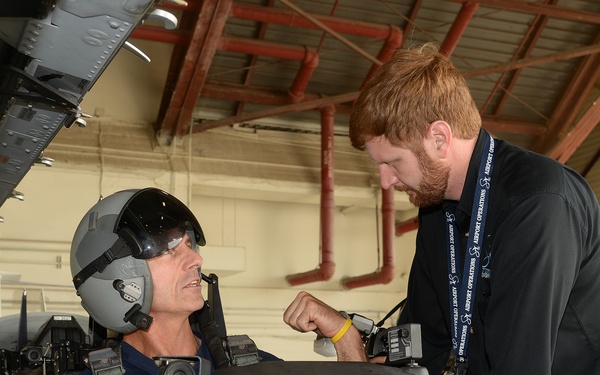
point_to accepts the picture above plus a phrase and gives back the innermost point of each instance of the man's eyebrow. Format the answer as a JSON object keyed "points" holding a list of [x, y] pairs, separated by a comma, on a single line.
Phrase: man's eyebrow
{"points": [[388, 162], [375, 161]]}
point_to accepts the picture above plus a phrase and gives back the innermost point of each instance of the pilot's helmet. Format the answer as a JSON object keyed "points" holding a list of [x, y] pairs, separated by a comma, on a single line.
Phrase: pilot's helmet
{"points": [[110, 249]]}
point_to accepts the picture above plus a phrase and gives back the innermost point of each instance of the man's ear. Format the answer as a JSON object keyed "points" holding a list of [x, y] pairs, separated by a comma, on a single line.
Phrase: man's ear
{"points": [[441, 136]]}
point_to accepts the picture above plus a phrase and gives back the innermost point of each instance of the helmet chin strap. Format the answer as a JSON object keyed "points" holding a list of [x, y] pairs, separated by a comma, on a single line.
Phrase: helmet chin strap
{"points": [[119, 249]]}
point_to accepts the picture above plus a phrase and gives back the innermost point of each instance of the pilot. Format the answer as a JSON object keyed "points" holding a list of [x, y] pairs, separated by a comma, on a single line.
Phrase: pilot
{"points": [[136, 267]]}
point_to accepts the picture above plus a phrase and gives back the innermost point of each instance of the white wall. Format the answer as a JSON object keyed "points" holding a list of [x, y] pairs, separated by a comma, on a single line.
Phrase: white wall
{"points": [[265, 242]]}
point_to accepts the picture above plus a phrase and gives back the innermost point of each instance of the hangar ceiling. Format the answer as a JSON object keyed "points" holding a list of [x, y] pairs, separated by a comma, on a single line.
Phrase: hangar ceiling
{"points": [[284, 65], [261, 89]]}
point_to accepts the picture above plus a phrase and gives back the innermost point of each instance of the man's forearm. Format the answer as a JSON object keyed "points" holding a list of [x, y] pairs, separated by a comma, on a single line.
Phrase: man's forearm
{"points": [[349, 348]]}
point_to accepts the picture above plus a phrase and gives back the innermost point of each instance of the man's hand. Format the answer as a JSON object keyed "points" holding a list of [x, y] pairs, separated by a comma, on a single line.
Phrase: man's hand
{"points": [[306, 313]]}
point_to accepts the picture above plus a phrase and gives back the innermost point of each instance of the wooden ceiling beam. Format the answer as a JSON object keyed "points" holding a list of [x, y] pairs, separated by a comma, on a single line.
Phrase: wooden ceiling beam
{"points": [[194, 69], [569, 106], [578, 133]]}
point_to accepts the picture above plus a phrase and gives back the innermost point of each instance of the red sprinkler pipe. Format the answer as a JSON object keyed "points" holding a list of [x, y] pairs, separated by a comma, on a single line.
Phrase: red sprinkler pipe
{"points": [[407, 226], [392, 43], [309, 58], [291, 18], [326, 268], [388, 271], [307, 67], [458, 27]]}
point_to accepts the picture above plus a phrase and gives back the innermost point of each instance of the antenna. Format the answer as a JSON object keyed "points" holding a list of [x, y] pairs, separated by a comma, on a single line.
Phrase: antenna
{"points": [[22, 340]]}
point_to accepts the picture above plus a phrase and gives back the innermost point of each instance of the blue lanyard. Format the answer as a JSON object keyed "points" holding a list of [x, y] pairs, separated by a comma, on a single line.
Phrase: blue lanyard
{"points": [[462, 287]]}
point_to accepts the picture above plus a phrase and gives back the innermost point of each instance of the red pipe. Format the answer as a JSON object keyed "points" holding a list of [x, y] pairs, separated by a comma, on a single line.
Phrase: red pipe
{"points": [[392, 34], [158, 34], [308, 57], [388, 271], [392, 43], [261, 48], [291, 18], [407, 226], [277, 16], [458, 27], [326, 268], [309, 64]]}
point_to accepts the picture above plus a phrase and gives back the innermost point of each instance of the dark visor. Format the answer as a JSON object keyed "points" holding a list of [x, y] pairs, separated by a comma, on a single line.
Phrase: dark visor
{"points": [[157, 222], [155, 237], [151, 223]]}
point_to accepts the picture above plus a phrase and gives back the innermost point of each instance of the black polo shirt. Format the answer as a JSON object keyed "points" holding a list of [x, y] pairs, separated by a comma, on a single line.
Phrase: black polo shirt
{"points": [[539, 311]]}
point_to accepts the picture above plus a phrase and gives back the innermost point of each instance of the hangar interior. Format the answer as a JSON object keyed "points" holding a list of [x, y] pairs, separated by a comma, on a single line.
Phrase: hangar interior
{"points": [[241, 112]]}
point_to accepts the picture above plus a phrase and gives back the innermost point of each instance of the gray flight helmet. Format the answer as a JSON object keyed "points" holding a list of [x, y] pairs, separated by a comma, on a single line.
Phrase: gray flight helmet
{"points": [[110, 249]]}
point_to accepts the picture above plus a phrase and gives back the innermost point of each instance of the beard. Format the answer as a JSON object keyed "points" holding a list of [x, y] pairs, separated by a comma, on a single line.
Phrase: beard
{"points": [[434, 183]]}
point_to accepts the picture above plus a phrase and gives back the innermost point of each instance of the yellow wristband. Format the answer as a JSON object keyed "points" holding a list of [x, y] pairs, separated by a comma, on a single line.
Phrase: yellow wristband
{"points": [[342, 331]]}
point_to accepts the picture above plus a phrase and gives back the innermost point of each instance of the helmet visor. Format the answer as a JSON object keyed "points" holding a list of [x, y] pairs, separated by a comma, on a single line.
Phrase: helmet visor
{"points": [[154, 222]]}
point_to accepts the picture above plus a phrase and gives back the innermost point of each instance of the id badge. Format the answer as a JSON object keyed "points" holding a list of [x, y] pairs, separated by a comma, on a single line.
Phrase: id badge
{"points": [[461, 368]]}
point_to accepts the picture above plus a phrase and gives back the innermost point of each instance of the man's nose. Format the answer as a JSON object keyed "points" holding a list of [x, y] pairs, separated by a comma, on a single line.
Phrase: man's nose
{"points": [[195, 259], [387, 176]]}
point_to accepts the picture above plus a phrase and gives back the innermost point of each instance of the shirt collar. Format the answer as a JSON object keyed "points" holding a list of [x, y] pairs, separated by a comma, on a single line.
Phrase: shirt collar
{"points": [[464, 206]]}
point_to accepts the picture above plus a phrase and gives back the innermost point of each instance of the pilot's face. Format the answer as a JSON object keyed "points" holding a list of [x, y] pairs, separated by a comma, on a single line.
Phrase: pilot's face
{"points": [[176, 281]]}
